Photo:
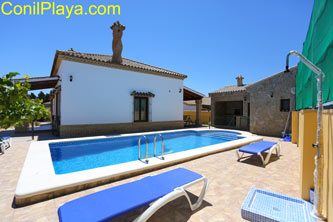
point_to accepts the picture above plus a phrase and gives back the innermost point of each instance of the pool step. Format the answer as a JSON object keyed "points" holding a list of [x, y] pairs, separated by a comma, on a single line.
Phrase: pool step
{"points": [[219, 136]]}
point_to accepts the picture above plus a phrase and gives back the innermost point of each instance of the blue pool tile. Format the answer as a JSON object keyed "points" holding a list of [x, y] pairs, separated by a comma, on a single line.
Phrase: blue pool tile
{"points": [[265, 206]]}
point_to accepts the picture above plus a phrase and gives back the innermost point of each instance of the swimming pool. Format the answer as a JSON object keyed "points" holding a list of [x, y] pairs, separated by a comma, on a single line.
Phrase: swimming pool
{"points": [[56, 167], [68, 157]]}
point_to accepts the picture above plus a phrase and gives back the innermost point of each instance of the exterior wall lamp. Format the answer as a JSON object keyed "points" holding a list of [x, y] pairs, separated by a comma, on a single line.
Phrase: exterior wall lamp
{"points": [[272, 94], [70, 78], [180, 90]]}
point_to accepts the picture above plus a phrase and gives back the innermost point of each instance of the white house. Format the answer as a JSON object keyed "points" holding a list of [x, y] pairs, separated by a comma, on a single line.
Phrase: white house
{"points": [[97, 95]]}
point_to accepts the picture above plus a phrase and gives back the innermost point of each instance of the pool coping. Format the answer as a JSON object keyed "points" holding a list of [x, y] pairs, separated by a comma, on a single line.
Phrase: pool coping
{"points": [[38, 180]]}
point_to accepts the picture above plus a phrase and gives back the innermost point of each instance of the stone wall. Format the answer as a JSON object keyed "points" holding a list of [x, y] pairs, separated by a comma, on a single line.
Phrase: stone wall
{"points": [[265, 116], [117, 128]]}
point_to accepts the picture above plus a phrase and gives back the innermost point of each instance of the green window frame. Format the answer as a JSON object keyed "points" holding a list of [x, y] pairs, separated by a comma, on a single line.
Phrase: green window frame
{"points": [[141, 109]]}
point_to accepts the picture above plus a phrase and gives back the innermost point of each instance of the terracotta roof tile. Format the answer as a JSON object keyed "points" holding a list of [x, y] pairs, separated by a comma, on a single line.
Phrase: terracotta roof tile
{"points": [[143, 94], [138, 66], [227, 89]]}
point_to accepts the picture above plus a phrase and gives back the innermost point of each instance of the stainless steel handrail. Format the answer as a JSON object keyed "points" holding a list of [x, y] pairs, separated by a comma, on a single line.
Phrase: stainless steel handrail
{"points": [[139, 143], [162, 156]]}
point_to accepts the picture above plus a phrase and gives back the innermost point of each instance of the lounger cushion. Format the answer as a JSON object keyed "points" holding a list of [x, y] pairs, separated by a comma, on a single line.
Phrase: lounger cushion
{"points": [[257, 147], [112, 202], [5, 138]]}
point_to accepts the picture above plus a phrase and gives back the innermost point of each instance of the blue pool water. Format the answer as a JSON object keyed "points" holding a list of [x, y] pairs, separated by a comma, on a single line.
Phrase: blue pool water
{"points": [[68, 157]]}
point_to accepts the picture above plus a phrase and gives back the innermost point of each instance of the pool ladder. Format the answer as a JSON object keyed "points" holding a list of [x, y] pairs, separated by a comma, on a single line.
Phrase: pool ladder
{"points": [[139, 144], [162, 155]]}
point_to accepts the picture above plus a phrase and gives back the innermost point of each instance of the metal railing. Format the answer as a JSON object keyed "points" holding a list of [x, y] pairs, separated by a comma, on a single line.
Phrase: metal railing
{"points": [[139, 143], [225, 120], [162, 155]]}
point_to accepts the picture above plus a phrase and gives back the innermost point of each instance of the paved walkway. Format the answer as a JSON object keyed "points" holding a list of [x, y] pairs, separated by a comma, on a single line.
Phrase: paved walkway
{"points": [[230, 182]]}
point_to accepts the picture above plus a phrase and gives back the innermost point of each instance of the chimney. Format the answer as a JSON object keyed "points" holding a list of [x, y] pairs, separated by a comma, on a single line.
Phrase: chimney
{"points": [[117, 45], [240, 80]]}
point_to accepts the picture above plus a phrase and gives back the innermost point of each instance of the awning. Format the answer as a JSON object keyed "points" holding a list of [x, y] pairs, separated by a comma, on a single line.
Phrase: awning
{"points": [[41, 82], [318, 48], [142, 94], [190, 94]]}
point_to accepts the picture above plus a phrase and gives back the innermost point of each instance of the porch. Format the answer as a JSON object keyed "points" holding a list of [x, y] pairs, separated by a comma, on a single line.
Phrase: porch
{"points": [[230, 115]]}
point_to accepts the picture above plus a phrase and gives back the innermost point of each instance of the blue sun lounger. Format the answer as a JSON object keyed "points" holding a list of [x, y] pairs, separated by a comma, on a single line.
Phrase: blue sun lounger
{"points": [[262, 205], [5, 143], [258, 148], [153, 191]]}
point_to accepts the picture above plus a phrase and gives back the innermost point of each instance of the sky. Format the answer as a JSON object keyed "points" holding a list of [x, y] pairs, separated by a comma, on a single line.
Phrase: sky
{"points": [[210, 41]]}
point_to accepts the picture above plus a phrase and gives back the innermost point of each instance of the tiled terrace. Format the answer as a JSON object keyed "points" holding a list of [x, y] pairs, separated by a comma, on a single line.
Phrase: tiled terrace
{"points": [[230, 182]]}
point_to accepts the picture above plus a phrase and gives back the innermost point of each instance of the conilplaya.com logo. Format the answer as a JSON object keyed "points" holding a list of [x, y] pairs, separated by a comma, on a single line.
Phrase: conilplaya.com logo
{"points": [[54, 8]]}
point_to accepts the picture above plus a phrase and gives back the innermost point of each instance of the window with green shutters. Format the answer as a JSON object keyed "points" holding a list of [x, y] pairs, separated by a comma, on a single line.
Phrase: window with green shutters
{"points": [[140, 109]]}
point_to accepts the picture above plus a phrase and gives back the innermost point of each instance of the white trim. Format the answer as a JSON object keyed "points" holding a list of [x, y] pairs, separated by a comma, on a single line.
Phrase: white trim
{"points": [[38, 79]]}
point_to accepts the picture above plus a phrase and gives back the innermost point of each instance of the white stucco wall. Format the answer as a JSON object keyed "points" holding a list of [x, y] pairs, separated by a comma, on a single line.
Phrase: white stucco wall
{"points": [[101, 95]]}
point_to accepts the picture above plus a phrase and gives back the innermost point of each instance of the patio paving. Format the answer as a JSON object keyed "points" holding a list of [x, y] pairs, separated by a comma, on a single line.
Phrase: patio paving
{"points": [[230, 181]]}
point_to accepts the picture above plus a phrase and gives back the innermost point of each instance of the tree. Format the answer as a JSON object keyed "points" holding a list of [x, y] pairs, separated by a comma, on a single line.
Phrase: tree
{"points": [[12, 101], [47, 97], [36, 111], [41, 95], [15, 105], [33, 96]]}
